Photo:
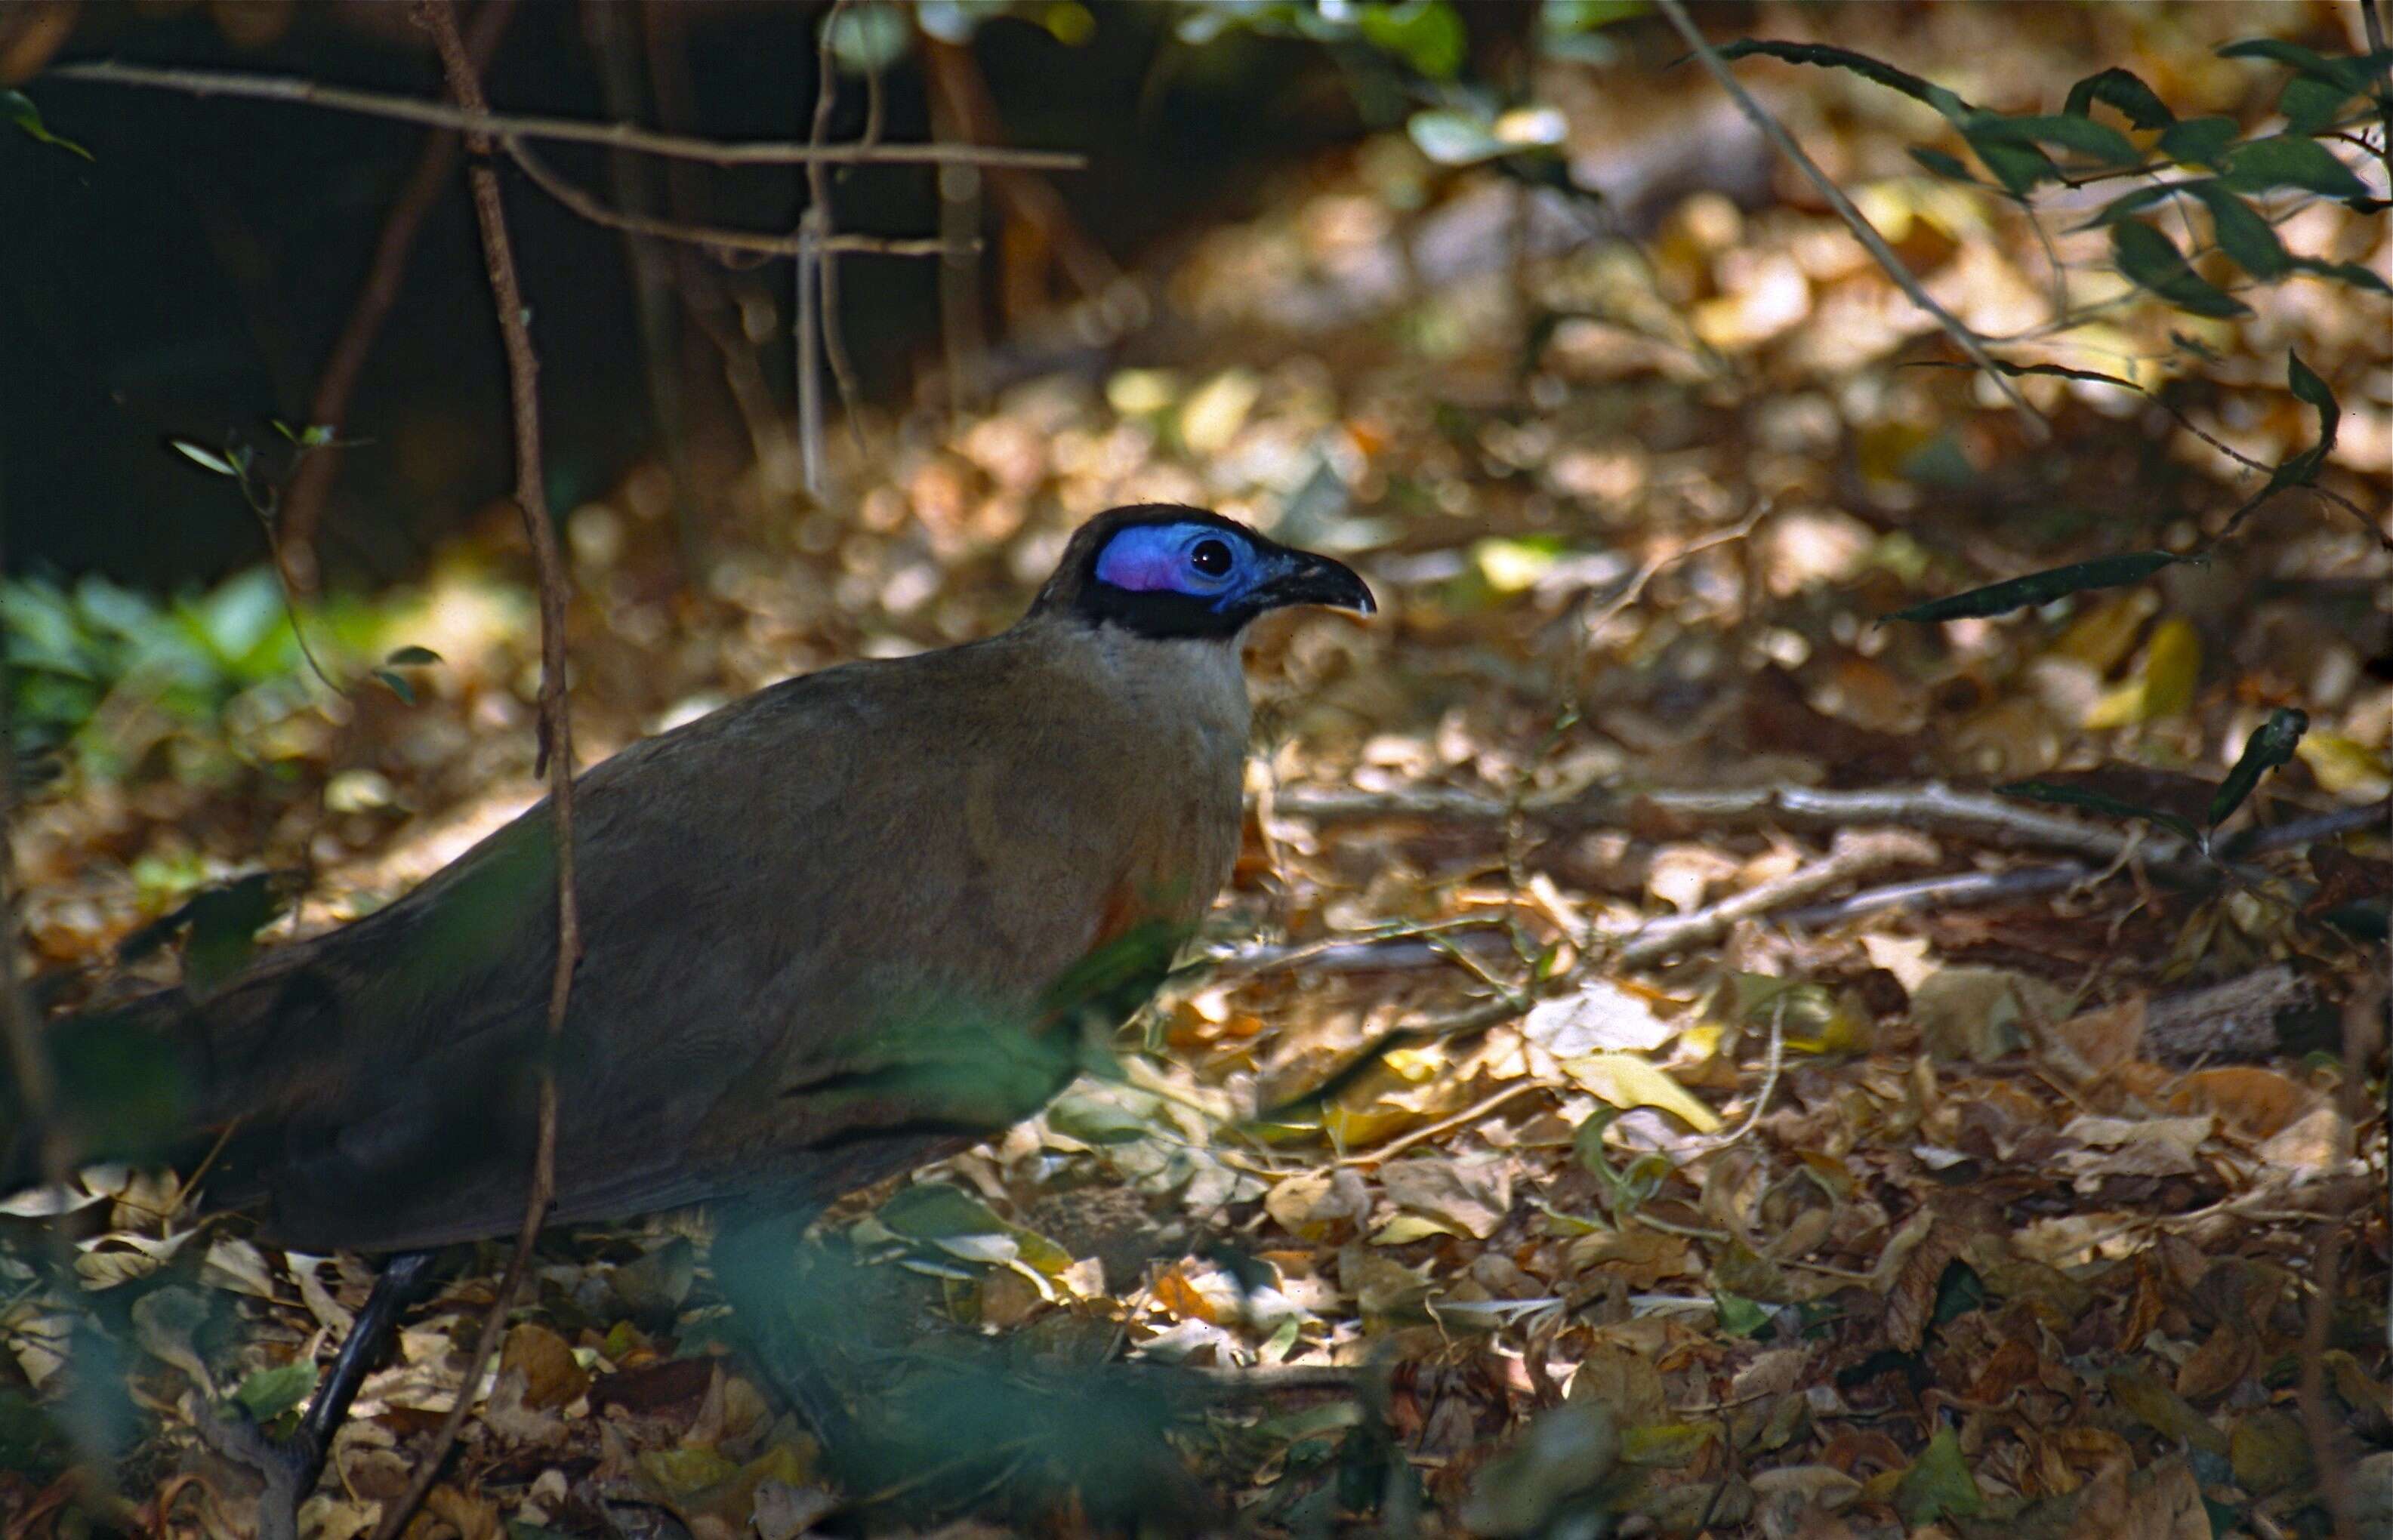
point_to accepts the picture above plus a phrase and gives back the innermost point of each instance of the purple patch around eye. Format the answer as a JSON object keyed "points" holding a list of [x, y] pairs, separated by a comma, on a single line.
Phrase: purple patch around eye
{"points": [[1145, 560]]}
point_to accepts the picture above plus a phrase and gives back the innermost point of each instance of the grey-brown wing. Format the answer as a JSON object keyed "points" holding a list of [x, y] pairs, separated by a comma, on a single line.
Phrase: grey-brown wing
{"points": [[815, 926]]}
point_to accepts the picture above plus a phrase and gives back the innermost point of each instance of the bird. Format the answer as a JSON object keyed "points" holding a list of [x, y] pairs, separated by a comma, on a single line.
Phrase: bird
{"points": [[830, 931]]}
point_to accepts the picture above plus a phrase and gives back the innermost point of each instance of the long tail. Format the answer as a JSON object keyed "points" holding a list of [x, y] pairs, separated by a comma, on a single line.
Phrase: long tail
{"points": [[123, 1085]]}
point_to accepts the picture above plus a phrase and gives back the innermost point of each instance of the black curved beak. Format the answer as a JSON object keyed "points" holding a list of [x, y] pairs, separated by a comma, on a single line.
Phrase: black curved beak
{"points": [[1304, 578]]}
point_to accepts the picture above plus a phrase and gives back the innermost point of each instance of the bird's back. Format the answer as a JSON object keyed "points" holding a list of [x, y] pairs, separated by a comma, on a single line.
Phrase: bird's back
{"points": [[823, 929]]}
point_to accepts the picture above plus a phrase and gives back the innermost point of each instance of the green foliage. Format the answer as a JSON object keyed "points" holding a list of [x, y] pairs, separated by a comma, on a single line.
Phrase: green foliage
{"points": [[2040, 588], [269, 1393], [18, 108], [91, 649], [2271, 745], [2016, 150], [2151, 257], [2096, 801]]}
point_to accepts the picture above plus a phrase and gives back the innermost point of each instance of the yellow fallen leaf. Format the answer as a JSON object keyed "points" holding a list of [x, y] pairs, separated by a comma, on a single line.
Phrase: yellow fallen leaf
{"points": [[1626, 1080], [2346, 768], [2102, 636], [2162, 684], [1407, 1228]]}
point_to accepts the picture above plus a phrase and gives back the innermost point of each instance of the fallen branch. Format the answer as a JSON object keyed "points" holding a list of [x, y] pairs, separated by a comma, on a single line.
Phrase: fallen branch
{"points": [[613, 135], [1933, 807], [1853, 854], [1940, 893], [1967, 341], [556, 751], [2233, 1020], [1984, 887]]}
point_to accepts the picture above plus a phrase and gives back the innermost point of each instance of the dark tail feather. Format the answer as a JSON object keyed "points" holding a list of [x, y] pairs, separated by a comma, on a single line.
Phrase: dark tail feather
{"points": [[121, 1086]]}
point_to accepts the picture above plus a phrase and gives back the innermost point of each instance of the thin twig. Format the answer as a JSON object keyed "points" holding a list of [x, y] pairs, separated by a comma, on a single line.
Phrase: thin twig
{"points": [[1863, 230], [312, 479], [615, 136], [1444, 1125], [819, 222], [556, 751], [546, 177], [2374, 25]]}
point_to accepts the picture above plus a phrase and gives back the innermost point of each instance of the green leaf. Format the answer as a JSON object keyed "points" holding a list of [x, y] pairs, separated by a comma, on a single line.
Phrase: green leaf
{"points": [[2199, 142], [1450, 138], [268, 1393], [18, 108], [397, 684], [411, 656], [2287, 159], [206, 458], [1586, 16], [2271, 745], [1426, 34], [2040, 588], [1828, 56], [2126, 92], [2127, 203], [2151, 258], [2309, 389], [2310, 102], [1938, 1483], [2353, 73], [2356, 274], [1951, 167], [2084, 135], [869, 38], [2055, 371], [945, 1216], [2016, 162], [2242, 232], [2095, 802], [1738, 1316], [2302, 469]]}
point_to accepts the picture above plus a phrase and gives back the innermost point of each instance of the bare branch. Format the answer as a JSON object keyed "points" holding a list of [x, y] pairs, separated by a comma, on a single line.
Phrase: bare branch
{"points": [[546, 177], [439, 18], [312, 479], [1967, 341], [616, 136]]}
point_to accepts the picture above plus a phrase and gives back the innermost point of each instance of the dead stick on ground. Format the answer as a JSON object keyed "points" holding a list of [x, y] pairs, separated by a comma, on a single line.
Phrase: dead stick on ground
{"points": [[1771, 129], [1853, 852], [555, 752], [615, 136]]}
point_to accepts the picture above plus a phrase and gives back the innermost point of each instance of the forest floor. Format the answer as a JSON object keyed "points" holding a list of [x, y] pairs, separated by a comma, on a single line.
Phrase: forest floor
{"points": [[2052, 1204]]}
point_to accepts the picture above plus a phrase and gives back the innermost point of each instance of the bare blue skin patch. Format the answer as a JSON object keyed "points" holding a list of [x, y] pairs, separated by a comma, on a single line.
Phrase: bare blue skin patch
{"points": [[1162, 558]]}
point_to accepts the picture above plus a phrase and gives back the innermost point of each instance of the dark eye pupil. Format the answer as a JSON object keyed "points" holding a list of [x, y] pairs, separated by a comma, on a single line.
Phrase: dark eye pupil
{"points": [[1211, 557]]}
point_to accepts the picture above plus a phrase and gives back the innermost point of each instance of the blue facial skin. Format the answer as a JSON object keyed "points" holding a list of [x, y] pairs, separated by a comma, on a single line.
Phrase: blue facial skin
{"points": [[1188, 573], [1165, 558]]}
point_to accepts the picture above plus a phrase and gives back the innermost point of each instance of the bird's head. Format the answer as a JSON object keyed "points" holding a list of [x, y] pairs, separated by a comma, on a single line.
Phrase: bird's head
{"points": [[1161, 570]]}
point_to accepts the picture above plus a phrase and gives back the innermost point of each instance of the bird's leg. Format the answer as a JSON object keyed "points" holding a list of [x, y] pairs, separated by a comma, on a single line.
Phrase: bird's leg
{"points": [[292, 1466], [757, 1262], [402, 1280]]}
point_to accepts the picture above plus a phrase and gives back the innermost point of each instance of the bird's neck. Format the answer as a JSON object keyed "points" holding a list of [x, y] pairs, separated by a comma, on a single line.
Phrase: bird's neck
{"points": [[1197, 682]]}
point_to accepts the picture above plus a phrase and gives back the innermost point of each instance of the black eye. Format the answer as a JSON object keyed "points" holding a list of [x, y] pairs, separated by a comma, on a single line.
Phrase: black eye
{"points": [[1211, 557]]}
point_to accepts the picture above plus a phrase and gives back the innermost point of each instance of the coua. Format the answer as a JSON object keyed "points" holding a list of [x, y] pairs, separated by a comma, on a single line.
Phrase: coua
{"points": [[830, 931]]}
